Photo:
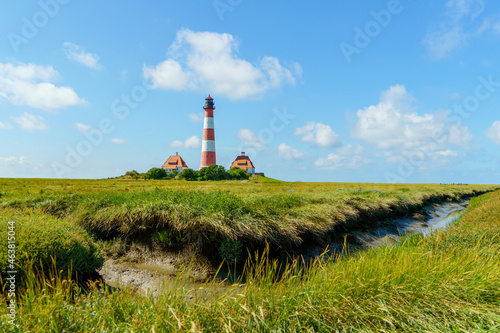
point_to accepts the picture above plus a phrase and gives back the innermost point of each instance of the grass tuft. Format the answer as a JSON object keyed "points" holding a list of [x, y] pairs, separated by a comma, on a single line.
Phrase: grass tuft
{"points": [[40, 239]]}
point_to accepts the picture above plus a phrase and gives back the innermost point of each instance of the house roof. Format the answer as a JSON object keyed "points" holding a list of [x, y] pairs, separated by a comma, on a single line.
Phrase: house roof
{"points": [[174, 161], [242, 162]]}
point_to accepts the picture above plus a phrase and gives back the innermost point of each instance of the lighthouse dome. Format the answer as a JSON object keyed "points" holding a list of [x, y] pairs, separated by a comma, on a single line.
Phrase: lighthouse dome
{"points": [[209, 103]]}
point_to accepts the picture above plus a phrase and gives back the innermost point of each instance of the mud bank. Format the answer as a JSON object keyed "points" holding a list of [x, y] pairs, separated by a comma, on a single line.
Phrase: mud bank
{"points": [[154, 279], [154, 271]]}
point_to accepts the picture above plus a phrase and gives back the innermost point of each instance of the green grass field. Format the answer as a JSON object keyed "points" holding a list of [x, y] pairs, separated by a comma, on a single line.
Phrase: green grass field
{"points": [[445, 282], [272, 211], [220, 215]]}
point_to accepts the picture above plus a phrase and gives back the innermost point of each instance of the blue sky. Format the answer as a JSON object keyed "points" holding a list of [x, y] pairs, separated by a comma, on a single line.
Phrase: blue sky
{"points": [[373, 91]]}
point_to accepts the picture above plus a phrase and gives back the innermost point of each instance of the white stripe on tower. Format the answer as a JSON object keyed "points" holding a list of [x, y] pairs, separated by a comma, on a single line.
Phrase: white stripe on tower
{"points": [[208, 123], [208, 145]]}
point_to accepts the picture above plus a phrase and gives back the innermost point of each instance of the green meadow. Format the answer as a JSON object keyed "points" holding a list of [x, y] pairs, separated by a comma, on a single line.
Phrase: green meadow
{"points": [[65, 229]]}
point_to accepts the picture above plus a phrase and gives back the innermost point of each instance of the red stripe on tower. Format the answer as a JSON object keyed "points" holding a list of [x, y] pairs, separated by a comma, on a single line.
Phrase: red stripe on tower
{"points": [[208, 145]]}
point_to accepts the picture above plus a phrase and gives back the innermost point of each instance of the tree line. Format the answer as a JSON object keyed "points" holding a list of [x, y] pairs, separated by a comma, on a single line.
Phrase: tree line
{"points": [[213, 172]]}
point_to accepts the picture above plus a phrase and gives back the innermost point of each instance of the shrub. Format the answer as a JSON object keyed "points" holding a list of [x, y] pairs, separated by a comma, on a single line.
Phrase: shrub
{"points": [[40, 239], [132, 174], [172, 174], [214, 172], [189, 174], [237, 173], [156, 173]]}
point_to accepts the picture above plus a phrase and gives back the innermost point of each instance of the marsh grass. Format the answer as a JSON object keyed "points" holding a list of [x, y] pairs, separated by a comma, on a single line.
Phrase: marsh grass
{"points": [[114, 247], [39, 238], [277, 212], [221, 219], [446, 282]]}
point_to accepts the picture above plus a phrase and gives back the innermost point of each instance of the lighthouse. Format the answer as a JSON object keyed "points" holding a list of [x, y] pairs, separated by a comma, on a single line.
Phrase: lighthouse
{"points": [[208, 145]]}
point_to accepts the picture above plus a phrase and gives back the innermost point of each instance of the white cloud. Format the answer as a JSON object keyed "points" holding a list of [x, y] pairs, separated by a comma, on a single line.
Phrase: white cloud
{"points": [[82, 127], [318, 134], [12, 160], [80, 55], [30, 122], [459, 9], [436, 159], [6, 125], [28, 84], [463, 21], [177, 144], [394, 126], [118, 141], [440, 44], [288, 153], [12, 166], [493, 132], [196, 117], [447, 152], [209, 61], [250, 139], [167, 75], [349, 149], [335, 162], [346, 157], [459, 135], [192, 142]]}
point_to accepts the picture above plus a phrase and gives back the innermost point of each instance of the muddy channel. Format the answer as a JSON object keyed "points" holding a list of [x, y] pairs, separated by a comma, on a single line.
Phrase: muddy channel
{"points": [[155, 275]]}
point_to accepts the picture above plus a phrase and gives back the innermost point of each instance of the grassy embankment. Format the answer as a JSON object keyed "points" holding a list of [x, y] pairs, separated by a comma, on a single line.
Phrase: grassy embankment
{"points": [[226, 216], [445, 282]]}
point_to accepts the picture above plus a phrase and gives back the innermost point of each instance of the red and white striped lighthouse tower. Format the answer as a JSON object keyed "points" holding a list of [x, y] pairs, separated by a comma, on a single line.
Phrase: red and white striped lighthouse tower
{"points": [[208, 145]]}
